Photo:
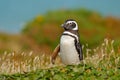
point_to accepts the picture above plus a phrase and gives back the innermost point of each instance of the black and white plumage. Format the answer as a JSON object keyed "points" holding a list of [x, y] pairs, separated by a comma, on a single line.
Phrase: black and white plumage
{"points": [[69, 49]]}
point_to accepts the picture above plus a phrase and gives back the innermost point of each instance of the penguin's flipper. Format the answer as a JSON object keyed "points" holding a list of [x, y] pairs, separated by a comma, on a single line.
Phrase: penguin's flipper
{"points": [[79, 49], [55, 53]]}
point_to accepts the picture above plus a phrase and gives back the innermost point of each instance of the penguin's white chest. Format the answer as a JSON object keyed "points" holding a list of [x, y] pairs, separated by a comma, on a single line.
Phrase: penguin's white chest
{"points": [[68, 52]]}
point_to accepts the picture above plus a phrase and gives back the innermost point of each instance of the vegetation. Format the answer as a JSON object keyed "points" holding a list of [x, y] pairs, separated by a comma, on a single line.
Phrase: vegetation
{"points": [[42, 33], [103, 64], [25, 56], [93, 27], [67, 73]]}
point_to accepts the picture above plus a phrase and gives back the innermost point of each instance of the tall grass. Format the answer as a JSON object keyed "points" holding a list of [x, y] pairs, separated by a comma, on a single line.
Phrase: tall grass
{"points": [[104, 56], [21, 62]]}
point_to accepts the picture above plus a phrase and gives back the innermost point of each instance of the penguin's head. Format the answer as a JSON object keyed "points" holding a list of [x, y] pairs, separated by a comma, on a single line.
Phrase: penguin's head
{"points": [[70, 24]]}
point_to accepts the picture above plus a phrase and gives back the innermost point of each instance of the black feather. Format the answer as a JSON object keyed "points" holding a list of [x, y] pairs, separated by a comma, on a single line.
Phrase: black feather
{"points": [[79, 50]]}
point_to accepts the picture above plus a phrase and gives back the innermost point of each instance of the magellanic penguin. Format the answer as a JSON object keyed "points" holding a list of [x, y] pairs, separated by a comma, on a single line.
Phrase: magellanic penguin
{"points": [[69, 49]]}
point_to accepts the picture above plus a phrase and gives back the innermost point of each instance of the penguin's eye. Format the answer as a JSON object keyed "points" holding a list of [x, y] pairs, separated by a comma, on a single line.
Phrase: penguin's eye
{"points": [[73, 25]]}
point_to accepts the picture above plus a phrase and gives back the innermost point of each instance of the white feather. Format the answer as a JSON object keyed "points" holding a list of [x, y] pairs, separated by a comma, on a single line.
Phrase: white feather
{"points": [[67, 32], [68, 52]]}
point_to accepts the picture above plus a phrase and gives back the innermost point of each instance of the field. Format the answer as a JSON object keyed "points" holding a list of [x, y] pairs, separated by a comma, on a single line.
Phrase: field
{"points": [[26, 56], [100, 63]]}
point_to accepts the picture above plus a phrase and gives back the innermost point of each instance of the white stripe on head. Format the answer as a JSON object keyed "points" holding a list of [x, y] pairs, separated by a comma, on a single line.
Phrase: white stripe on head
{"points": [[76, 27]]}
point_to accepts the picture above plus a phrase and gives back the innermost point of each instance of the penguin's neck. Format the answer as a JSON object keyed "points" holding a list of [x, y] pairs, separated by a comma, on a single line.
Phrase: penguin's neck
{"points": [[72, 31]]}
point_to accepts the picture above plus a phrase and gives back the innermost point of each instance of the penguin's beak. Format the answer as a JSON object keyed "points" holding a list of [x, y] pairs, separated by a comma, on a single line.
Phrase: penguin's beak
{"points": [[62, 25], [65, 26]]}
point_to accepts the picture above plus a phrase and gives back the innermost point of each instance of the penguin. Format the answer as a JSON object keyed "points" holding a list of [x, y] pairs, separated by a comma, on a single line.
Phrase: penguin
{"points": [[69, 48]]}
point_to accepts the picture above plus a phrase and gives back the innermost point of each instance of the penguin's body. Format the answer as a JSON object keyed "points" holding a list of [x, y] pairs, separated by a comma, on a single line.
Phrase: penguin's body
{"points": [[69, 49], [68, 52]]}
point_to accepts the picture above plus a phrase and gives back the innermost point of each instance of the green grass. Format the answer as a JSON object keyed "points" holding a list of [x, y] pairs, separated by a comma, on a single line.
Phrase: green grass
{"points": [[79, 72], [101, 63]]}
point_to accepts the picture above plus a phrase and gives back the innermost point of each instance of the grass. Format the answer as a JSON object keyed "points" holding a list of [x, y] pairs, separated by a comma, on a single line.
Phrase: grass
{"points": [[11, 63], [100, 63]]}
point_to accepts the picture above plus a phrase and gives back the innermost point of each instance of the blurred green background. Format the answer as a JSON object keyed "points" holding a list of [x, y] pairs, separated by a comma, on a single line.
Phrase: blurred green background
{"points": [[35, 25]]}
